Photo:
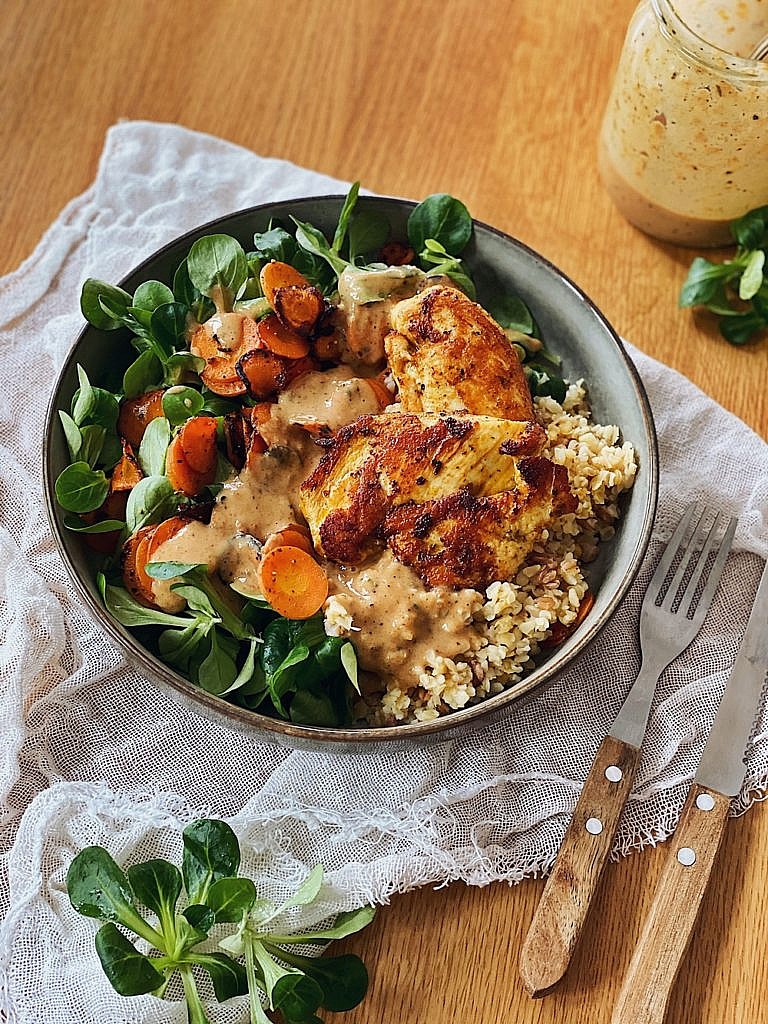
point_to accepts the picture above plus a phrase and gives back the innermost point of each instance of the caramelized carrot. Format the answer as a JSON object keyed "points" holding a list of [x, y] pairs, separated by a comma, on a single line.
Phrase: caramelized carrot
{"points": [[126, 473], [560, 633], [262, 372], [298, 367], [291, 536], [202, 344], [221, 377], [293, 582], [276, 275], [281, 340], [163, 532], [198, 443], [299, 309], [134, 560], [395, 254], [380, 390], [114, 505], [136, 413], [179, 472], [256, 446], [261, 413]]}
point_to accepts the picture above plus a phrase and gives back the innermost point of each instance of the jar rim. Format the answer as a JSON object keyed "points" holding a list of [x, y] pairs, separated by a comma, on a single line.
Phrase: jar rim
{"points": [[701, 51]]}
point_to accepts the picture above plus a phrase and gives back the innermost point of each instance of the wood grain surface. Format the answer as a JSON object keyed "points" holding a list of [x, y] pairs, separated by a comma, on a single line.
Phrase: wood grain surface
{"points": [[498, 103]]}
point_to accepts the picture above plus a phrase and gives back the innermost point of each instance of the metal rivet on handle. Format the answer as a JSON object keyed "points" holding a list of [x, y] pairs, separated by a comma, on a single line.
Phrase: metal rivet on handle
{"points": [[686, 856], [705, 802], [594, 826], [613, 773]]}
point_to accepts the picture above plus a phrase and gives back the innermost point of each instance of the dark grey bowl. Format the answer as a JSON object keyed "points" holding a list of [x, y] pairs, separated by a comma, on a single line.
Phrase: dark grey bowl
{"points": [[572, 326]]}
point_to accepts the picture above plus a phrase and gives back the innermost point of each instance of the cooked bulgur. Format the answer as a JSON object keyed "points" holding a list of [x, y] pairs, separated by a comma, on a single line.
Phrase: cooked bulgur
{"points": [[506, 625]]}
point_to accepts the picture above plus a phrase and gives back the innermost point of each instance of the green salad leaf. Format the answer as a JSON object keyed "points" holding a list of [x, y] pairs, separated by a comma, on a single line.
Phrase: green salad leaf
{"points": [[443, 219], [735, 290], [217, 266]]}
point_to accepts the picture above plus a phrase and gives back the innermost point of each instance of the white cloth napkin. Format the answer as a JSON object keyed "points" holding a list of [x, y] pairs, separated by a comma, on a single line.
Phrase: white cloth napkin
{"points": [[93, 753]]}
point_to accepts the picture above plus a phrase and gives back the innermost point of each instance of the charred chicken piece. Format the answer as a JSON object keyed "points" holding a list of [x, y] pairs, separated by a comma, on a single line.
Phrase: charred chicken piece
{"points": [[447, 353], [380, 462], [466, 540]]}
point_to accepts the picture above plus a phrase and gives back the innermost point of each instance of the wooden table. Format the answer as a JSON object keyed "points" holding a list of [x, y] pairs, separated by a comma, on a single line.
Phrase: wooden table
{"points": [[499, 104]]}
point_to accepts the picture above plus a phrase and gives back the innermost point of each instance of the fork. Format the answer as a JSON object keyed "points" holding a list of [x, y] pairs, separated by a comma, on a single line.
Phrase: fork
{"points": [[670, 618]]}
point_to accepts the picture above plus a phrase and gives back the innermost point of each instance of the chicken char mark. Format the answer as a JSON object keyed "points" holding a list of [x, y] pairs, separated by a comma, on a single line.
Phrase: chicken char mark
{"points": [[462, 540], [379, 462]]}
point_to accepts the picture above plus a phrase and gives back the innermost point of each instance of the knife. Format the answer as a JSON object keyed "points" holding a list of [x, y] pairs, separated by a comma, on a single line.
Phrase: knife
{"points": [[693, 849]]}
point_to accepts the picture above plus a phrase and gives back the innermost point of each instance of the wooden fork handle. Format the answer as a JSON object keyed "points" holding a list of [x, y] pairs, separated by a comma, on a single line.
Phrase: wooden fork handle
{"points": [[667, 930], [565, 902]]}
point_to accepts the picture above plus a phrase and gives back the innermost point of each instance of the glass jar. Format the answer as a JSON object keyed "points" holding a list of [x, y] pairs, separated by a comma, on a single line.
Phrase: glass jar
{"points": [[684, 142]]}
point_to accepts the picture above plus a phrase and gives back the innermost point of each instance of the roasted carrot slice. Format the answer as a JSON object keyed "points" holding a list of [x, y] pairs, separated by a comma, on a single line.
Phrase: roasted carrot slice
{"points": [[276, 275], [179, 472], [126, 473], [250, 337], [134, 561], [262, 372], [114, 505], [291, 536], [281, 340], [261, 413], [220, 375], [293, 582], [560, 633], [136, 413], [163, 532], [299, 309], [298, 367], [202, 344], [380, 390], [256, 446], [198, 442], [395, 254]]}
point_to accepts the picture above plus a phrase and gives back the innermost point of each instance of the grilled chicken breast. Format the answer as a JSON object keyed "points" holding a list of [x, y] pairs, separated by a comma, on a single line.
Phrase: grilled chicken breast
{"points": [[447, 353], [381, 462], [465, 540]]}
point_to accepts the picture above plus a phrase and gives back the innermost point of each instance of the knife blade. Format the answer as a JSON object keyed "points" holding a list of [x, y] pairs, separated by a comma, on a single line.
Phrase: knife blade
{"points": [[722, 765]]}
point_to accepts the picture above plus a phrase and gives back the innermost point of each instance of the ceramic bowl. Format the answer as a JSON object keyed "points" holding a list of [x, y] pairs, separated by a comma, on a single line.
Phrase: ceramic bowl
{"points": [[572, 326]]}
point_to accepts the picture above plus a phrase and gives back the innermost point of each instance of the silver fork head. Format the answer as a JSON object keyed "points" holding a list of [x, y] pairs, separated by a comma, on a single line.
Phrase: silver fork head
{"points": [[672, 615]]}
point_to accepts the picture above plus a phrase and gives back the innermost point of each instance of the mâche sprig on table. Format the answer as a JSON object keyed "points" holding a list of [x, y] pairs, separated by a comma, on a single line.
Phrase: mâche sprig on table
{"points": [[735, 290], [256, 958]]}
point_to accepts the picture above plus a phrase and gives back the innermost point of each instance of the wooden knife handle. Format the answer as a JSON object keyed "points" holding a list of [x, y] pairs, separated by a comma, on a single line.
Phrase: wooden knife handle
{"points": [[565, 902], [667, 930]]}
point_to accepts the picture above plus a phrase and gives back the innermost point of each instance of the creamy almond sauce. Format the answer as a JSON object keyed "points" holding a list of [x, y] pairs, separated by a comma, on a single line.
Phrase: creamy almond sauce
{"points": [[396, 623], [331, 399], [365, 300], [226, 329]]}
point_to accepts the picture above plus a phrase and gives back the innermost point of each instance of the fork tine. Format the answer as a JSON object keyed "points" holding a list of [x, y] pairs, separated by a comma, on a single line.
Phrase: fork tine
{"points": [[689, 593], [714, 577], [688, 553], [669, 553]]}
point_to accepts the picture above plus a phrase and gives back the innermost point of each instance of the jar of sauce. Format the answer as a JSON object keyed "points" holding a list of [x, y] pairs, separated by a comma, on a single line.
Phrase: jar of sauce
{"points": [[684, 142]]}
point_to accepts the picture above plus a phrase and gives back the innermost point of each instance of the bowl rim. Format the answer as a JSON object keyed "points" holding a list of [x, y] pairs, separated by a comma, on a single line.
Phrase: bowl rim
{"points": [[464, 718]]}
